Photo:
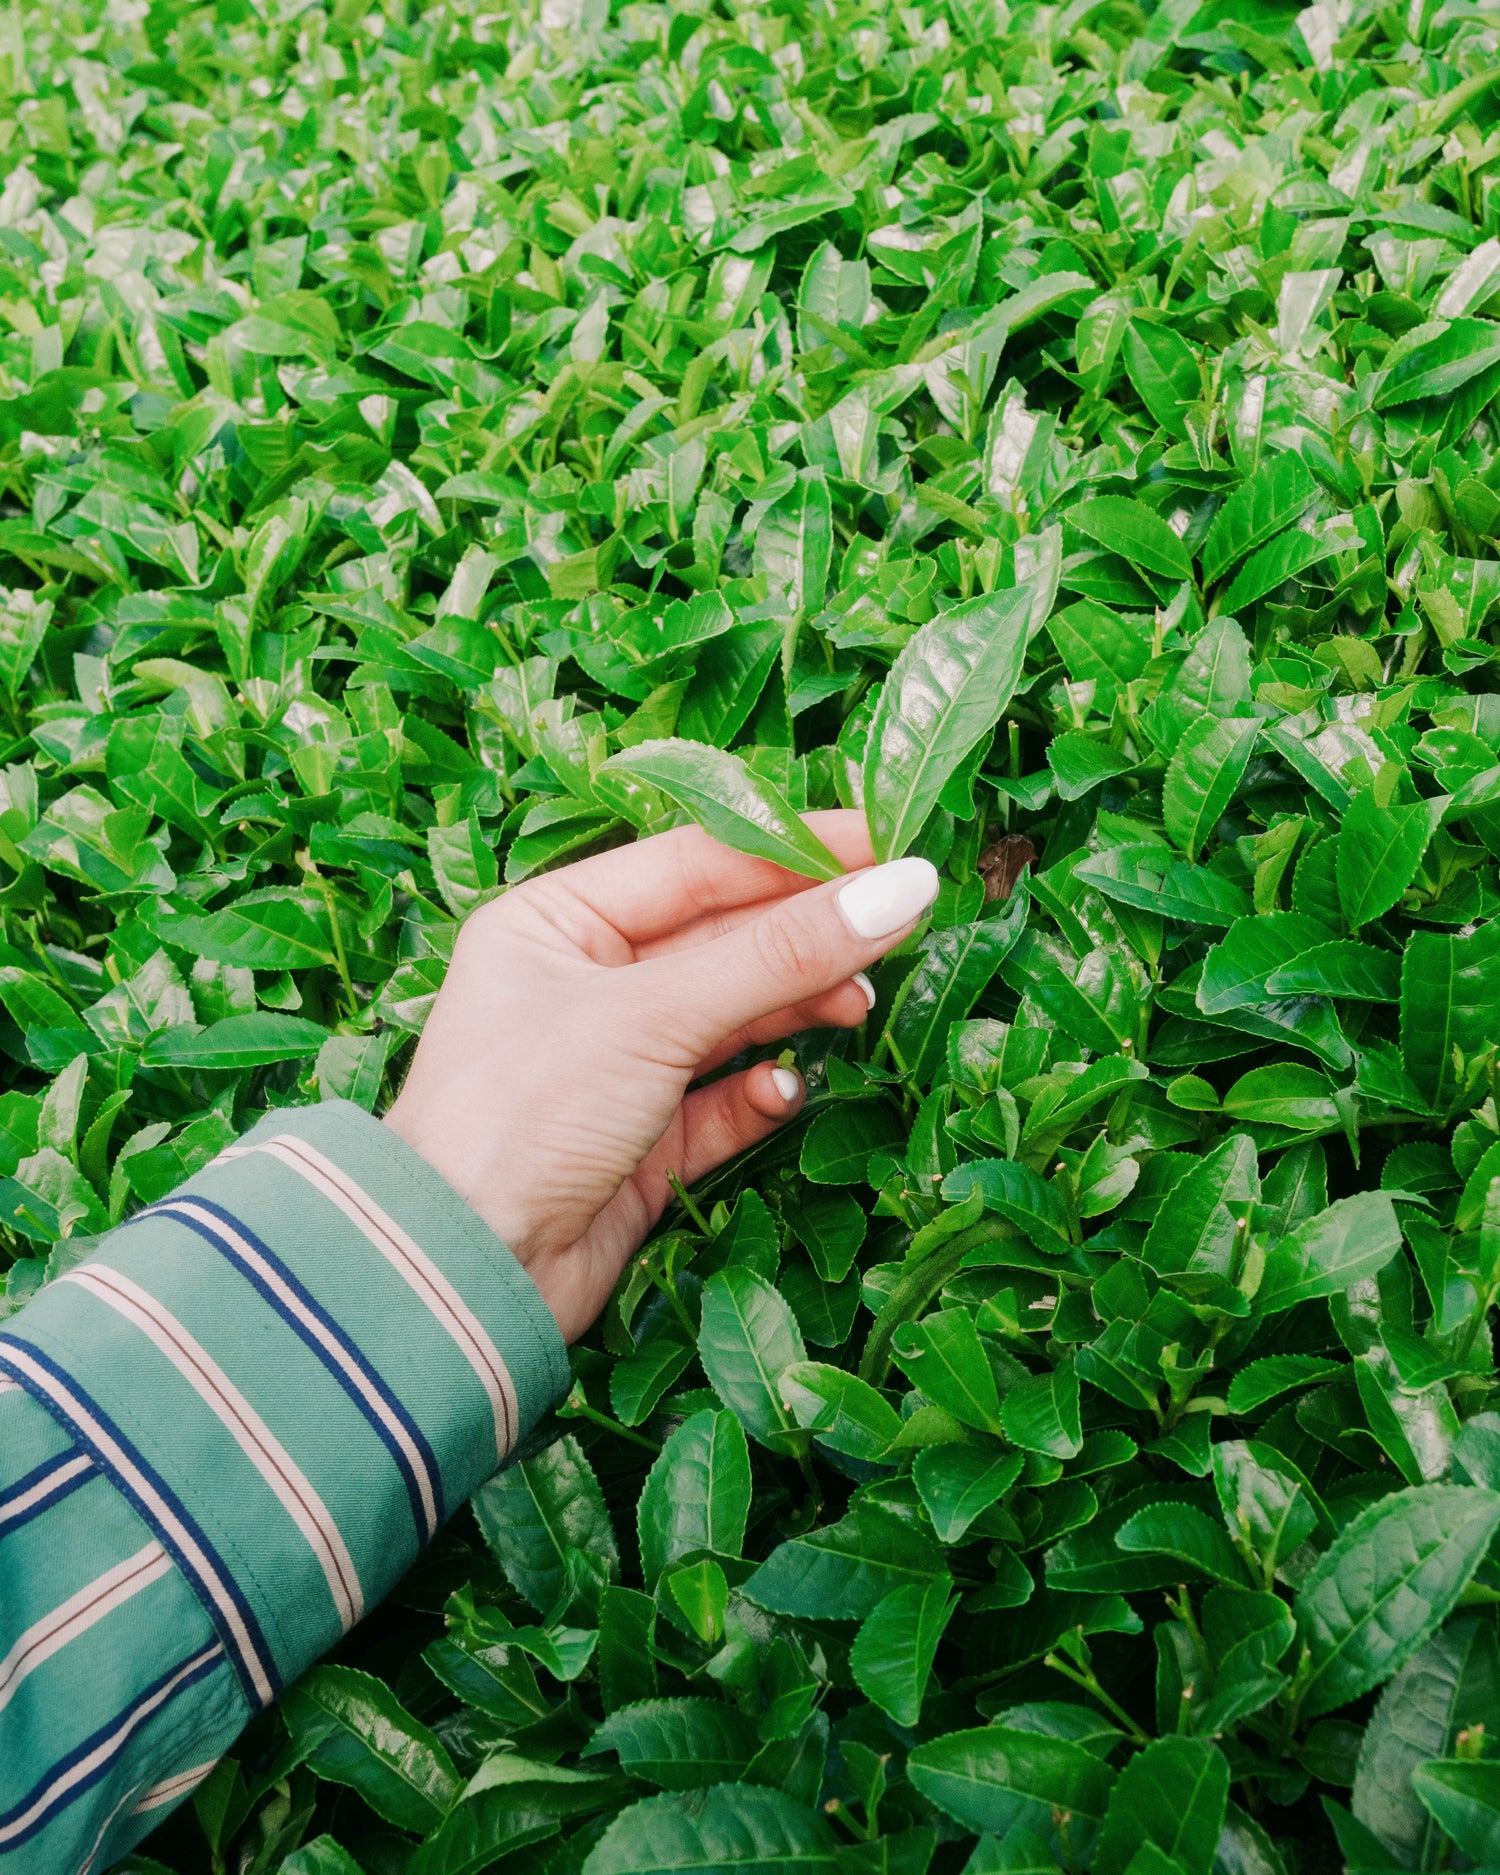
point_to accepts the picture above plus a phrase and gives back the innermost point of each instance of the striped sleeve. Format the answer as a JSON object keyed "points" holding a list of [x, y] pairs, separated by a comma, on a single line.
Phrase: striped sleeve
{"points": [[223, 1437]]}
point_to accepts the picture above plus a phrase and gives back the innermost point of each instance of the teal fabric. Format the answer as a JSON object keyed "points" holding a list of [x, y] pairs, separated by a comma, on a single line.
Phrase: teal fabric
{"points": [[223, 1436]]}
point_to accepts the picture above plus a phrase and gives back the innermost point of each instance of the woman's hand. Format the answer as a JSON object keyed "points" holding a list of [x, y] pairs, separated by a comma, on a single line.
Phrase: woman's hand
{"points": [[551, 1084]]}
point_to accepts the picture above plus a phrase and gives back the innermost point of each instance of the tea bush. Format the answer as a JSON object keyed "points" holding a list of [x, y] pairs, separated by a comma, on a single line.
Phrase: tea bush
{"points": [[441, 440]]}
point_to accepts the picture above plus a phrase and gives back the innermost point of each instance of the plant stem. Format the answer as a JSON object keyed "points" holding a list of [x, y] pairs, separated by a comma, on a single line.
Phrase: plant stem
{"points": [[916, 1288], [578, 1408], [814, 1489], [339, 957], [1091, 1685], [674, 1301], [1482, 1308], [687, 1204]]}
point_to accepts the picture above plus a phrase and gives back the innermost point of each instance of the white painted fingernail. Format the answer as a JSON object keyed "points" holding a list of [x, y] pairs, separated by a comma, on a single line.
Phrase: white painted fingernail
{"points": [[887, 897], [866, 986], [787, 1084]]}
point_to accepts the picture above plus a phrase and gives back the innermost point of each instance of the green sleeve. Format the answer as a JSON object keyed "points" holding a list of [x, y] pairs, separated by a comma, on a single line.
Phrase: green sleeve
{"points": [[223, 1437]]}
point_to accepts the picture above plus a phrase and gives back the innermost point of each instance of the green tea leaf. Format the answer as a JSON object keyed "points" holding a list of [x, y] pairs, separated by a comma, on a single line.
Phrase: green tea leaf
{"points": [[534, 1513], [841, 1572], [846, 1412], [1187, 1536], [269, 930], [1269, 1507], [1237, 971], [677, 1744], [1351, 1240], [1341, 968], [955, 966], [731, 801], [1449, 991], [1041, 1414], [249, 1041], [744, 1828], [946, 1360], [946, 691], [1155, 879], [1451, 1686], [1387, 1583], [1380, 849], [747, 1340], [474, 1834], [892, 1655], [697, 1494], [1172, 1796], [1263, 505], [956, 1482], [1100, 646], [1442, 362], [1464, 1800], [1288, 1095], [998, 1779], [838, 1144], [1281, 559], [1264, 1380], [352, 1729], [1208, 765], [1164, 372], [1134, 531], [794, 542]]}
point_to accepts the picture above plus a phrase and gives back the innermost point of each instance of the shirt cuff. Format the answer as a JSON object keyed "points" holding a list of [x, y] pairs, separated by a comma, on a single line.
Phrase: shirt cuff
{"points": [[295, 1368]]}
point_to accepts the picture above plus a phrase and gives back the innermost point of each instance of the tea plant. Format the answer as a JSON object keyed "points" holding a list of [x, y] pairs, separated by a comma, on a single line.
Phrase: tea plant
{"points": [[438, 442]]}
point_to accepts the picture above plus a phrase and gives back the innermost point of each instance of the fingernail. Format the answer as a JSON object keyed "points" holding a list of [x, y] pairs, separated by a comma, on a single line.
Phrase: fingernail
{"points": [[787, 1084], [887, 897], [866, 986]]}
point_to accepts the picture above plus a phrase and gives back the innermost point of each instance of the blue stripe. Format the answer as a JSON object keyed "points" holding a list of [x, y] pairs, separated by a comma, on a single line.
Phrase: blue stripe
{"points": [[122, 1728], [225, 1582], [39, 1476], [378, 1385]]}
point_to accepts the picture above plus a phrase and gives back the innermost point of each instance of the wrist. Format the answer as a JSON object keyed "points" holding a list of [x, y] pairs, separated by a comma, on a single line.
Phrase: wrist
{"points": [[459, 1163]]}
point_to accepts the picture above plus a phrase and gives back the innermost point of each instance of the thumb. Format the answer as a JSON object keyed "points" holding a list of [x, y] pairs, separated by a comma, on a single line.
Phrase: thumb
{"points": [[801, 947]]}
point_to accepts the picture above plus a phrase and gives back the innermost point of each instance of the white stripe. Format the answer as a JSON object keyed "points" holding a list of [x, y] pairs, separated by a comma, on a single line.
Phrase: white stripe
{"points": [[160, 1510], [294, 1305], [418, 1269], [249, 1431], [105, 1749], [78, 1613], [104, 1828], [9, 1386], [18, 1506], [171, 1788]]}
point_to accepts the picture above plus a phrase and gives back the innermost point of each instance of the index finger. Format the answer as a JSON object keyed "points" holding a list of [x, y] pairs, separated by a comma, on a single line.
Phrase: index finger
{"points": [[651, 888]]}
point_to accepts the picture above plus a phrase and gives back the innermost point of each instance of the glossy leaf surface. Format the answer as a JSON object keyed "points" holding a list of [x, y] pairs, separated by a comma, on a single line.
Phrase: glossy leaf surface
{"points": [[945, 691], [731, 801]]}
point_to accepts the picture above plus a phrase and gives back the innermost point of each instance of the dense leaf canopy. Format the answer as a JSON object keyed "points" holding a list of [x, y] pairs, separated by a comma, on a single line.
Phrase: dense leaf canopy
{"points": [[440, 440]]}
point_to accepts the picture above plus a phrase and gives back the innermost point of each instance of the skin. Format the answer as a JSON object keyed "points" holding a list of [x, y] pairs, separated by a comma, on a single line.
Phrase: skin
{"points": [[553, 1086]]}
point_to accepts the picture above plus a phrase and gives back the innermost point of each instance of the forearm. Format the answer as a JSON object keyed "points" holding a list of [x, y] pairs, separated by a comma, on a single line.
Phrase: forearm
{"points": [[226, 1434]]}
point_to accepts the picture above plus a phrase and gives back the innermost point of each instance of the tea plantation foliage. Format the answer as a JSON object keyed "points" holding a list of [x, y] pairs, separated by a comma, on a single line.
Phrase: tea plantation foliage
{"points": [[431, 436]]}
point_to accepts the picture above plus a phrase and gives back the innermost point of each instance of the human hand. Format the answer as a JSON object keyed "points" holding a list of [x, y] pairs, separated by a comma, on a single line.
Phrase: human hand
{"points": [[551, 1085]]}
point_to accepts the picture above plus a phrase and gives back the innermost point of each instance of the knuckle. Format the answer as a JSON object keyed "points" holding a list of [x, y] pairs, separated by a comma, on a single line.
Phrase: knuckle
{"points": [[717, 924], [649, 1007], [485, 924], [789, 948]]}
